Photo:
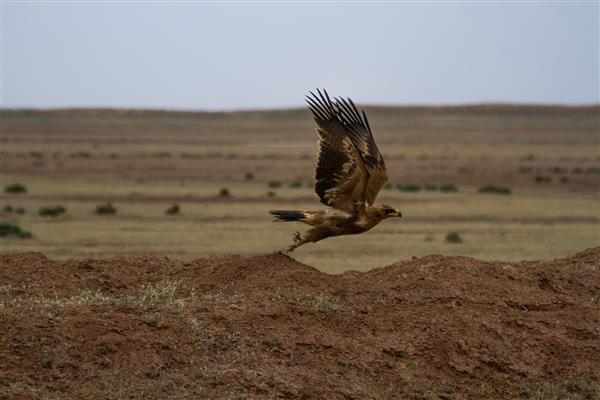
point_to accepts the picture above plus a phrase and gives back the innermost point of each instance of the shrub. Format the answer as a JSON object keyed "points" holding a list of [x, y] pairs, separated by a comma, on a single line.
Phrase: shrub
{"points": [[593, 170], [7, 208], [51, 211], [13, 230], [270, 193], [224, 192], [495, 189], [274, 184], [106, 208], [249, 176], [20, 210], [36, 154], [429, 187], [173, 210], [409, 187], [453, 237], [578, 170], [448, 187], [543, 179], [15, 188], [296, 185], [564, 179], [525, 170], [558, 170]]}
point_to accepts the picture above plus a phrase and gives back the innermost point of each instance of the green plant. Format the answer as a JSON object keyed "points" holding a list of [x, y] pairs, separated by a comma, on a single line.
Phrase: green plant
{"points": [[453, 237], [15, 188], [296, 185], [106, 208], [429, 187], [409, 187], [173, 210], [224, 192], [275, 184], [249, 176], [13, 230], [448, 187], [7, 208], [495, 190], [564, 179], [525, 170], [20, 210], [543, 179], [51, 211], [270, 193]]}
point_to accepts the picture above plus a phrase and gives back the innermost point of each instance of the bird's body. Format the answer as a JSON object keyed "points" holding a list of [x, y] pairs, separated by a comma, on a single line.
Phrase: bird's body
{"points": [[349, 174]]}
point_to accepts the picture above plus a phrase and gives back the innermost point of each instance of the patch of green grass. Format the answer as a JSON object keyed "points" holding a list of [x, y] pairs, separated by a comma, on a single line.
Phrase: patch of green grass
{"points": [[7, 230]]}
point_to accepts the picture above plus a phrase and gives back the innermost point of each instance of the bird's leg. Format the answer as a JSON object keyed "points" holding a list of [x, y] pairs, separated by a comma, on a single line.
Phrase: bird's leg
{"points": [[298, 241]]}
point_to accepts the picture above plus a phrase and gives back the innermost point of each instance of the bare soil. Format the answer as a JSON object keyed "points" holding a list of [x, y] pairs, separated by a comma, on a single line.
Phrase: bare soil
{"points": [[266, 326]]}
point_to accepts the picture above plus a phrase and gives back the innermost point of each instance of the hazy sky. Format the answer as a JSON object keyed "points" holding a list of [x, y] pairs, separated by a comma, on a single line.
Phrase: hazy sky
{"points": [[190, 55]]}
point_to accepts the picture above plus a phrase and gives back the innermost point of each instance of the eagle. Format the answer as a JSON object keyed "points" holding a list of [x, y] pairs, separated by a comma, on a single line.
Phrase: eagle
{"points": [[350, 172]]}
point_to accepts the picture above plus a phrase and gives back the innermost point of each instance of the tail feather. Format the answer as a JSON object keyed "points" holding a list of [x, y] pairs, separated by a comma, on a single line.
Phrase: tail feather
{"points": [[286, 215]]}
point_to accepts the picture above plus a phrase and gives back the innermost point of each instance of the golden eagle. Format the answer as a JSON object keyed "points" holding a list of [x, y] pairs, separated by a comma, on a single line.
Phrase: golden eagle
{"points": [[349, 174]]}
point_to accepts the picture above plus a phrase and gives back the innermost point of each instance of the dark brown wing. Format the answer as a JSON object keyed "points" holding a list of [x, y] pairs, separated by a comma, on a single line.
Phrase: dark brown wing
{"points": [[359, 131], [341, 176]]}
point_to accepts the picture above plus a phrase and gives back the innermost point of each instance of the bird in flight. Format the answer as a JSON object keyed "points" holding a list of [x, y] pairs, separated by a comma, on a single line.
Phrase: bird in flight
{"points": [[350, 172]]}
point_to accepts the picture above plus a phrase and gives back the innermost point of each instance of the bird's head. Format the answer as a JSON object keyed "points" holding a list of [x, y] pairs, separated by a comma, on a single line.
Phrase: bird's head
{"points": [[389, 212]]}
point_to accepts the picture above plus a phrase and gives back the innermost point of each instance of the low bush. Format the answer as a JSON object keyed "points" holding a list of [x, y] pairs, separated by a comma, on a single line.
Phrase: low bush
{"points": [[270, 193], [51, 211], [525, 170], [453, 237], [106, 208], [409, 187], [448, 188], [274, 184], [495, 189], [249, 176], [564, 179], [430, 187], [543, 179], [13, 230], [15, 188], [224, 192], [173, 210], [296, 185]]}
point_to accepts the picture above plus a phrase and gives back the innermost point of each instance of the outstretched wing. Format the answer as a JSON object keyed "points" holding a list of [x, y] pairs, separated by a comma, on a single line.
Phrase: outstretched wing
{"points": [[359, 131], [343, 179]]}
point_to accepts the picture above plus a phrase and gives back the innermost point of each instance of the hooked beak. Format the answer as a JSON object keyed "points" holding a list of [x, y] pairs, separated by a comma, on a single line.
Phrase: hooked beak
{"points": [[396, 214]]}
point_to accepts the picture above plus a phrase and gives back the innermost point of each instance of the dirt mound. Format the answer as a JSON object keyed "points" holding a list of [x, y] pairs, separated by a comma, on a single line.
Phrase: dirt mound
{"points": [[269, 327]]}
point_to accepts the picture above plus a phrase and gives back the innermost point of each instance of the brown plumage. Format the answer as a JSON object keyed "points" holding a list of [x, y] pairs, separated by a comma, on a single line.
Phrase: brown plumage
{"points": [[349, 174]]}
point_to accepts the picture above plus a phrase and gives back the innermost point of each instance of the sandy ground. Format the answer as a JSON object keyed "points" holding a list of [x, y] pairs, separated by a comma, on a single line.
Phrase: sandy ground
{"points": [[267, 327]]}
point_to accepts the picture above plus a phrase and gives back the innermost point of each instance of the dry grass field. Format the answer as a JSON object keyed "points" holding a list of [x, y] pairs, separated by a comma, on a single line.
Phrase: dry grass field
{"points": [[143, 162]]}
